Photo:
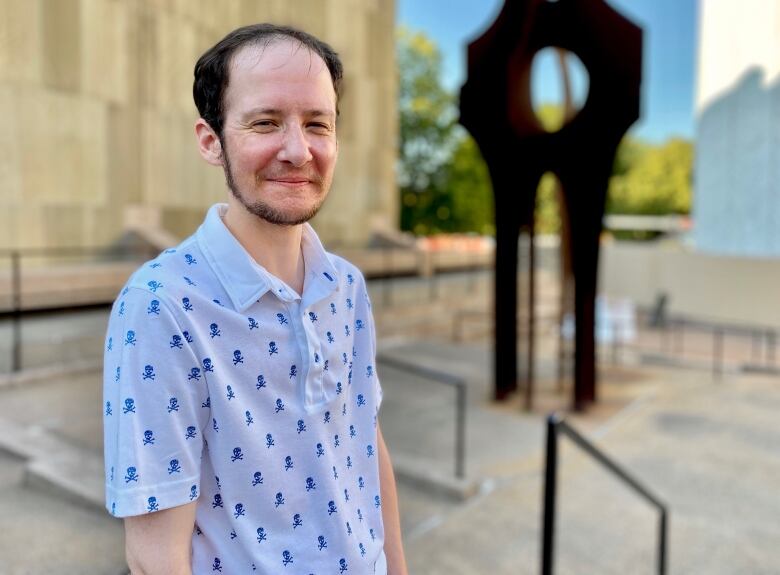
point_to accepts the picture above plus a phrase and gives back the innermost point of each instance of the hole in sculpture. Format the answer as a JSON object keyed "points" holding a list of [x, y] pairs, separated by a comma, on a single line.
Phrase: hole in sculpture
{"points": [[551, 70]]}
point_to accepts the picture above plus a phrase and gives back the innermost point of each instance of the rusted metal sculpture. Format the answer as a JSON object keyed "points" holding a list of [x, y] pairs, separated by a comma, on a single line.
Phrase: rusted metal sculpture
{"points": [[496, 109]]}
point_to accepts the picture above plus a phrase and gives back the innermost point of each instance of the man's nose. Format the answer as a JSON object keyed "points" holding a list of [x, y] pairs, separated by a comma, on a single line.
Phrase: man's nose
{"points": [[295, 147]]}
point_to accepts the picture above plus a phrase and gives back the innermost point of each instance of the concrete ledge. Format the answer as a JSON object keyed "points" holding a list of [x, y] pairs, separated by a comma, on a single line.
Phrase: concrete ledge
{"points": [[662, 360], [49, 372], [417, 472], [759, 369], [54, 465], [73, 475]]}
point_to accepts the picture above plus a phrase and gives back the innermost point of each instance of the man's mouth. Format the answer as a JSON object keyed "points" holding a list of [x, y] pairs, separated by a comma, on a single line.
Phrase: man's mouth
{"points": [[292, 181]]}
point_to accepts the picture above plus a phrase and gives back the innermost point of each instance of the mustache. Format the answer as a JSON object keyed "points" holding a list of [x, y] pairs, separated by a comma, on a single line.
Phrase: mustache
{"points": [[291, 175]]}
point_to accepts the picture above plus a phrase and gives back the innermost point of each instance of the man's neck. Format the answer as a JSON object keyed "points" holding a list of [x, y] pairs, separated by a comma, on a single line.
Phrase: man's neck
{"points": [[277, 248]]}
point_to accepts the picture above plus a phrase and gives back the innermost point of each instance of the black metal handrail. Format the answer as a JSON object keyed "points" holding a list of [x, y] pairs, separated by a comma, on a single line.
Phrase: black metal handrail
{"points": [[15, 257], [460, 407], [555, 425], [673, 328]]}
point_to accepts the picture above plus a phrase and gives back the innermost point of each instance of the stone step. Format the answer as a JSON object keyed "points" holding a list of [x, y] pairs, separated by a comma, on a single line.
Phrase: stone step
{"points": [[54, 465]]}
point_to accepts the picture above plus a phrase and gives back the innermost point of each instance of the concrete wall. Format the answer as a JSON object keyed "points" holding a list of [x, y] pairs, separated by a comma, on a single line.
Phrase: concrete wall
{"points": [[736, 205], [732, 289], [97, 114]]}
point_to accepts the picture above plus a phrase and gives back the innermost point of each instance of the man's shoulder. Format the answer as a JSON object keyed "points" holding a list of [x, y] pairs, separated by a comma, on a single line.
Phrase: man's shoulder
{"points": [[164, 274], [350, 274]]}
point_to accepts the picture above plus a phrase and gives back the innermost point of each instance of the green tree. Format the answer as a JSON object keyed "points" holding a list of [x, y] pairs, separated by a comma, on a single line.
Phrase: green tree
{"points": [[427, 116], [651, 180], [444, 182], [442, 178], [470, 189]]}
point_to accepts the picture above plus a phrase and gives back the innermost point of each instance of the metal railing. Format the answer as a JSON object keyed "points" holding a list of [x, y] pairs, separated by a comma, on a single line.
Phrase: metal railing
{"points": [[391, 275], [556, 425], [673, 329], [17, 310], [460, 402]]}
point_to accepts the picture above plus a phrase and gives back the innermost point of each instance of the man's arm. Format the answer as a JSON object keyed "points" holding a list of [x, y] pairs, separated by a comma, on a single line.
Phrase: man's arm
{"points": [[161, 542], [394, 550]]}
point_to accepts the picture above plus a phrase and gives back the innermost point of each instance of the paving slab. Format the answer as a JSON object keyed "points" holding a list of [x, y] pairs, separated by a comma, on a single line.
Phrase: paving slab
{"points": [[708, 447]]}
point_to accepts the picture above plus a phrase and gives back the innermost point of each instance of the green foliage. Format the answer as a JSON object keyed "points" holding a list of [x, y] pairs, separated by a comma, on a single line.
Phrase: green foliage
{"points": [[548, 210], [427, 113], [651, 180], [470, 189], [444, 182], [550, 116]]}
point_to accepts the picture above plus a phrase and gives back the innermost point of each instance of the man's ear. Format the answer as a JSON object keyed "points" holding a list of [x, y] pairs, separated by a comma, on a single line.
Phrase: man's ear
{"points": [[209, 145]]}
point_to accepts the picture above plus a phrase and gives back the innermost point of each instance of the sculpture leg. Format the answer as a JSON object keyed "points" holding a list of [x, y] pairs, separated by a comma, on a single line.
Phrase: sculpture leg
{"points": [[505, 306]]}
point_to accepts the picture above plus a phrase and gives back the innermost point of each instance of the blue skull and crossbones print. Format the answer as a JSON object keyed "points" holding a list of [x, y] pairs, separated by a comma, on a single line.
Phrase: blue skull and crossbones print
{"points": [[294, 448]]}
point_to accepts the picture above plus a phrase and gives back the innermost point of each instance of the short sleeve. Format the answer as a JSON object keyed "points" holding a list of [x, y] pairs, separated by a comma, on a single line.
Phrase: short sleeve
{"points": [[155, 407], [377, 384]]}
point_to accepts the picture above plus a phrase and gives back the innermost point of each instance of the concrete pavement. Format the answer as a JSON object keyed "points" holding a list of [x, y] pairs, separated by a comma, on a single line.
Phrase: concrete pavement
{"points": [[709, 448]]}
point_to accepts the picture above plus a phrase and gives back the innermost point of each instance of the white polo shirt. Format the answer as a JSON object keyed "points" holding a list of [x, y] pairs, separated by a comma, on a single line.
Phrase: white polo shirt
{"points": [[224, 386]]}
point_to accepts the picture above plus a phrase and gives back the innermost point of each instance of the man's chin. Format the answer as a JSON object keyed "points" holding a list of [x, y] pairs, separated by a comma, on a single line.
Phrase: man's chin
{"points": [[281, 217], [286, 216]]}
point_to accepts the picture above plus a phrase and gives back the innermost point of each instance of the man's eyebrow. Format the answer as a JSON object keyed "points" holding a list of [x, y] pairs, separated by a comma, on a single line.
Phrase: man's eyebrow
{"points": [[276, 112], [260, 112]]}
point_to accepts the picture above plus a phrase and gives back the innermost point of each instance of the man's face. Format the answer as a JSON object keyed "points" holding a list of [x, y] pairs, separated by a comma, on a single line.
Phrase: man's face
{"points": [[279, 144]]}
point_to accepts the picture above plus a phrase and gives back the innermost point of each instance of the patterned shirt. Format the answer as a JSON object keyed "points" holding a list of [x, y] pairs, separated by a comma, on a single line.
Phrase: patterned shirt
{"points": [[224, 386]]}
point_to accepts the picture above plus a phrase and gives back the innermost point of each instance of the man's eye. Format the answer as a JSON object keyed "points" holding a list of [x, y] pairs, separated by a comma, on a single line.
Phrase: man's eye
{"points": [[263, 124]]}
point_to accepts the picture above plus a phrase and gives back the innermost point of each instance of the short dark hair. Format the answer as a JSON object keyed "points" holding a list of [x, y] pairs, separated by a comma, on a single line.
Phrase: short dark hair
{"points": [[212, 71]]}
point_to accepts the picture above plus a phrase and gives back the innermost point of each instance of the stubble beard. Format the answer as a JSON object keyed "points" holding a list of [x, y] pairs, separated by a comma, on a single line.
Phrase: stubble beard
{"points": [[263, 210]]}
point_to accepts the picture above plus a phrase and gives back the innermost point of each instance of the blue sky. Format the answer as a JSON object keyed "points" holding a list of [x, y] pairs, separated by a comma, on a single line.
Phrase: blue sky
{"points": [[669, 53]]}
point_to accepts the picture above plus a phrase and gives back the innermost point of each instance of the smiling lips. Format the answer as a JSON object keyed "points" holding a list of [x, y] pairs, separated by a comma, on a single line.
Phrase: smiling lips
{"points": [[289, 181], [292, 181]]}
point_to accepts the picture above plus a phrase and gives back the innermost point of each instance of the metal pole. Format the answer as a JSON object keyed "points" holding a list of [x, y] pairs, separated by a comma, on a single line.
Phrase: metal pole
{"points": [[680, 337], [529, 390], [548, 528], [561, 356], [16, 291], [662, 543], [771, 343], [717, 352], [386, 294], [666, 339], [615, 341], [473, 272], [754, 348], [460, 442]]}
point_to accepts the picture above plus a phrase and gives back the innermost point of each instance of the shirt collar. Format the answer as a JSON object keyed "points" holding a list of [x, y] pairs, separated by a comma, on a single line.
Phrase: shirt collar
{"points": [[246, 281]]}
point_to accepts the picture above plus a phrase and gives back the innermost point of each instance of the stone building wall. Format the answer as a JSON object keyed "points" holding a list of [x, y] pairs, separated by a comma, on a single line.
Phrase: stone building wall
{"points": [[736, 202], [96, 115]]}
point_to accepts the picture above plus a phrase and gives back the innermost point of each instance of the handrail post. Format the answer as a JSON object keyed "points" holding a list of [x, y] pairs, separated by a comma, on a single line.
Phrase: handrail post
{"points": [[755, 348], [717, 353], [555, 426], [460, 430], [662, 527], [460, 408], [472, 271], [615, 341], [550, 476], [386, 294], [680, 337], [16, 291], [456, 323]]}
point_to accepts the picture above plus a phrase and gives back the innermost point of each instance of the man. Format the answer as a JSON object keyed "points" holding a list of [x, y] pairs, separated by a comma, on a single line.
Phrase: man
{"points": [[240, 382]]}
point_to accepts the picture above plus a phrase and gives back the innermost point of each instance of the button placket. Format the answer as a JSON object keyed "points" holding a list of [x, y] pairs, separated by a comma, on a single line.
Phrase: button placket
{"points": [[313, 381]]}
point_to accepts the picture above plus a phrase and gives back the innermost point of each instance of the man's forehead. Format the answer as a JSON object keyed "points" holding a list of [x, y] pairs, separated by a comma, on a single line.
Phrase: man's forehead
{"points": [[277, 53]]}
